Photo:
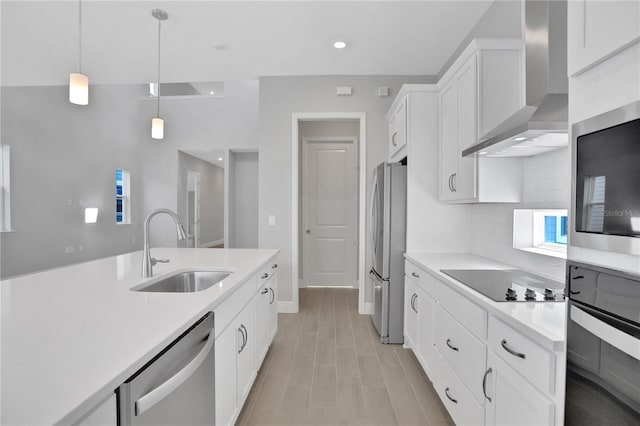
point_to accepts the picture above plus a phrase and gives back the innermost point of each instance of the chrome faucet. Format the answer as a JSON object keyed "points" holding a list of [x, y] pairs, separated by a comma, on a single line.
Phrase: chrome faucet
{"points": [[147, 260]]}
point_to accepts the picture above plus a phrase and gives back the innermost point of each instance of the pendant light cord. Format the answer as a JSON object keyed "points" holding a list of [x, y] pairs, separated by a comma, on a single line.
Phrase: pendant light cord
{"points": [[159, 32], [80, 36]]}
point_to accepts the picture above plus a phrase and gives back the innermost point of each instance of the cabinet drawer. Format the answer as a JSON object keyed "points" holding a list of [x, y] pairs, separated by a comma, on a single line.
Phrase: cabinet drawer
{"points": [[460, 404], [470, 315], [465, 353], [229, 309], [532, 361], [422, 278], [266, 273]]}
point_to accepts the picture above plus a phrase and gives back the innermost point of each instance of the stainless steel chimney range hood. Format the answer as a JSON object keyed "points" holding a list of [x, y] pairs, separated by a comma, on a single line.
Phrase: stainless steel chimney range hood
{"points": [[542, 124]]}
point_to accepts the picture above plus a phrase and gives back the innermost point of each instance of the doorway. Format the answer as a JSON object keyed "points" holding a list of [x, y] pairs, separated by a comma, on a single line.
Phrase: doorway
{"points": [[193, 209], [329, 170], [332, 267]]}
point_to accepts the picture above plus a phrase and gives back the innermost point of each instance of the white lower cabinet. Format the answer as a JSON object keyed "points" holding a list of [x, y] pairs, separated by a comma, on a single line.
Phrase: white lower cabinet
{"points": [[410, 313], [460, 403], [425, 331], [249, 320], [511, 400], [485, 371], [266, 301]]}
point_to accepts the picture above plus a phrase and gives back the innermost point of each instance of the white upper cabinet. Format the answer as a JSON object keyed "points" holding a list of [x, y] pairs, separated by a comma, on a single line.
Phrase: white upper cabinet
{"points": [[398, 131], [480, 91], [407, 119], [599, 29]]}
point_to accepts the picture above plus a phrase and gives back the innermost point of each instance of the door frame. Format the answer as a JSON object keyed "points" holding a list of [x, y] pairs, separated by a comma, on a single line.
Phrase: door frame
{"points": [[329, 139], [363, 308], [191, 174]]}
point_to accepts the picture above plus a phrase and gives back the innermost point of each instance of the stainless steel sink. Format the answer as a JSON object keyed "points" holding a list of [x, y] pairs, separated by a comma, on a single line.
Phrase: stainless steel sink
{"points": [[185, 282]]}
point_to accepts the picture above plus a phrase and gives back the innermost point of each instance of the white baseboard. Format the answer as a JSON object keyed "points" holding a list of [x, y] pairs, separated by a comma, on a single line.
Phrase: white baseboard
{"points": [[286, 308], [368, 308], [212, 243]]}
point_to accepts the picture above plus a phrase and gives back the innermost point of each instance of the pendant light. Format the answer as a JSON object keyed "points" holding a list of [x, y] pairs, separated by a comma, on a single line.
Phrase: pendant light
{"points": [[157, 123], [78, 82]]}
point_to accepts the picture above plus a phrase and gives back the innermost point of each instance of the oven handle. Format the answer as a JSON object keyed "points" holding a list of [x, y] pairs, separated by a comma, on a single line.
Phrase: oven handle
{"points": [[592, 321]]}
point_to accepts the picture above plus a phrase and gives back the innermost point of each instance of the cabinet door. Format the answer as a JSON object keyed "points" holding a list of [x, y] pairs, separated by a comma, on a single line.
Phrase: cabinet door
{"points": [[398, 129], [273, 307], [410, 314], [426, 318], [448, 140], [246, 347], [263, 321], [226, 348], [598, 29], [464, 182], [511, 400]]}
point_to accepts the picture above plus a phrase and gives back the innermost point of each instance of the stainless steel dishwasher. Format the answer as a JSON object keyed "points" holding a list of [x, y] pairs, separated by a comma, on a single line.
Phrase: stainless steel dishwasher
{"points": [[177, 386]]}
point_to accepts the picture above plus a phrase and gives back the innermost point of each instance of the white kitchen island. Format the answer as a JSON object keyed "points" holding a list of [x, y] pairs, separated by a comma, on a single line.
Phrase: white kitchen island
{"points": [[72, 335]]}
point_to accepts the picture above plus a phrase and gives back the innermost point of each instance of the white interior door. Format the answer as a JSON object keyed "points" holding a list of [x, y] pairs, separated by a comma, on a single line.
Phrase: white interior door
{"points": [[329, 211], [193, 209]]}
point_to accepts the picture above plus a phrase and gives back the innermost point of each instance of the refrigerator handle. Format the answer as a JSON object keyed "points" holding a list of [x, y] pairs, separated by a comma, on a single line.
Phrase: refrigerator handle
{"points": [[373, 232]]}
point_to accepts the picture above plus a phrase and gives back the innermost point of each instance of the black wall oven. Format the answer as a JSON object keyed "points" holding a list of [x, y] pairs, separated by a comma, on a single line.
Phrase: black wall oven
{"points": [[603, 346]]}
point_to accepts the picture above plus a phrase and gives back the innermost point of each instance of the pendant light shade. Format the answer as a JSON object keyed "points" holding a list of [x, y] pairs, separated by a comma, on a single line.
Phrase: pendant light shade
{"points": [[157, 128], [78, 82], [157, 123], [78, 89]]}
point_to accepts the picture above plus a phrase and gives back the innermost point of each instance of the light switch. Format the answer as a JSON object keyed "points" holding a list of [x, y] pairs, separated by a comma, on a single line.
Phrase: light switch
{"points": [[272, 220]]}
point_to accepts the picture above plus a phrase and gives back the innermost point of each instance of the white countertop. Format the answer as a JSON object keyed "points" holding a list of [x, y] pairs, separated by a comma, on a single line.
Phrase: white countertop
{"points": [[72, 335], [543, 322]]}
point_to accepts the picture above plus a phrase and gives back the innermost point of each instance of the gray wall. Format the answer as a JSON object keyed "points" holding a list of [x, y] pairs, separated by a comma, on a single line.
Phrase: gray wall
{"points": [[503, 19], [211, 197], [280, 97], [243, 200], [63, 158]]}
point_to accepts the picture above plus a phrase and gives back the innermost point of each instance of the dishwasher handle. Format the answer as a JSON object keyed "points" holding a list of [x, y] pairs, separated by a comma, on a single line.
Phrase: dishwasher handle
{"points": [[158, 394]]}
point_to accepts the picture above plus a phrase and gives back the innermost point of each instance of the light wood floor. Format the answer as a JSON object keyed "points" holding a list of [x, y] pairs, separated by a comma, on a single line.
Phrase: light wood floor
{"points": [[326, 366]]}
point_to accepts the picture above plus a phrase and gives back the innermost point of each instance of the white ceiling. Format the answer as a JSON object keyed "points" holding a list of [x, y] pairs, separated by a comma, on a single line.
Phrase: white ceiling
{"points": [[260, 38]]}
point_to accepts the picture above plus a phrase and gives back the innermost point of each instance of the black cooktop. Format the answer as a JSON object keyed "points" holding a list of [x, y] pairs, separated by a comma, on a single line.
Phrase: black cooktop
{"points": [[509, 285]]}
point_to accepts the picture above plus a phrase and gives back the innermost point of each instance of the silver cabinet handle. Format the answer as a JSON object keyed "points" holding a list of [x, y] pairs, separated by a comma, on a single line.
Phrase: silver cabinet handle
{"points": [[454, 182], [241, 337], [265, 291], [451, 346], [273, 295], [246, 336], [413, 274], [393, 139], [159, 393], [511, 351], [413, 302], [450, 187], [265, 275], [274, 266], [484, 383], [446, 392]]}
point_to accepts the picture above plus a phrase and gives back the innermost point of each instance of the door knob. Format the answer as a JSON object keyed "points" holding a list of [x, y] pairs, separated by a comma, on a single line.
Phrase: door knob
{"points": [[308, 231]]}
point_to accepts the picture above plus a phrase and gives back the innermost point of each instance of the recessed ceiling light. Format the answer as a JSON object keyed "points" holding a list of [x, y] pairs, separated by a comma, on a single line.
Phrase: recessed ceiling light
{"points": [[212, 92], [482, 152], [520, 138], [219, 158], [339, 44]]}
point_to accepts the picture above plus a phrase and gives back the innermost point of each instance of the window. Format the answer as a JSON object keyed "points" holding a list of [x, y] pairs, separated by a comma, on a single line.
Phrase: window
{"points": [[5, 191], [541, 231], [123, 199]]}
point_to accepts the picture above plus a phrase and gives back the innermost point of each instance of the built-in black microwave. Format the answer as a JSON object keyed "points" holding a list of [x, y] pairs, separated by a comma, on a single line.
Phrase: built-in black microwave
{"points": [[606, 181]]}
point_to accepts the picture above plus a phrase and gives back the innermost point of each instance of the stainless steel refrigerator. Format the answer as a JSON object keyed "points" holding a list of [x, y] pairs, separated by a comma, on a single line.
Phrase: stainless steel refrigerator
{"points": [[387, 231]]}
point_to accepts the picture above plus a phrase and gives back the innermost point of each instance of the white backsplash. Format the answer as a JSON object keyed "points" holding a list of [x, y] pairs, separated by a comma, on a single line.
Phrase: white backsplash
{"points": [[546, 184]]}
